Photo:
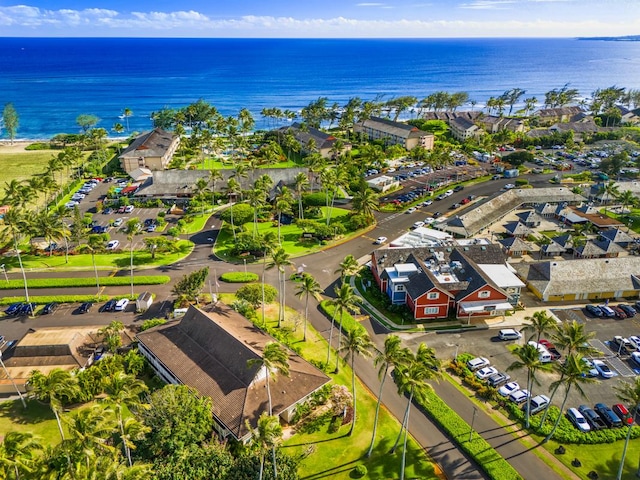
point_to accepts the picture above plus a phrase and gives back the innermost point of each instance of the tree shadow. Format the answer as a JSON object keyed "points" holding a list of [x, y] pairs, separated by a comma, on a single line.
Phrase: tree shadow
{"points": [[35, 412]]}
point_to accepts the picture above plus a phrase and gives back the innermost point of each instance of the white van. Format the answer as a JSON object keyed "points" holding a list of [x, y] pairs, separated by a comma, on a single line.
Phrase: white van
{"points": [[509, 334], [543, 353], [121, 305]]}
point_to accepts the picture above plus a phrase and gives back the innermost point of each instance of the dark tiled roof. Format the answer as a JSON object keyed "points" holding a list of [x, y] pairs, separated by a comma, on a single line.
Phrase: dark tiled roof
{"points": [[151, 144], [303, 135], [616, 235], [463, 123], [209, 351]]}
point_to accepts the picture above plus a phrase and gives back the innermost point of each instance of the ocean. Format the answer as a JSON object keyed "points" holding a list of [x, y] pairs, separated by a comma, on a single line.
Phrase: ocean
{"points": [[51, 81]]}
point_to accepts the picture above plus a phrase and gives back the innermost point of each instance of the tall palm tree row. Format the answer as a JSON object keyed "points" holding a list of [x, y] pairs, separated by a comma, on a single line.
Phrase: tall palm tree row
{"points": [[345, 301], [280, 260], [309, 287]]}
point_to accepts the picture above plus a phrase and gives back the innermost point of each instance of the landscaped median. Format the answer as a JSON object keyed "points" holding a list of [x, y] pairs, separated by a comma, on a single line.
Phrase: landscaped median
{"points": [[40, 300], [79, 282]]}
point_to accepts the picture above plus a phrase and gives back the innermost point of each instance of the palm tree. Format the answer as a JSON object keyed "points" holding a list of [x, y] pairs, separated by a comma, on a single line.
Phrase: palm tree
{"points": [[53, 388], [348, 267], [269, 242], [280, 260], [201, 188], [240, 172], [232, 189], [309, 287], [267, 436], [571, 336], [14, 220], [528, 358], [124, 390], [364, 201], [392, 355], [257, 201], [132, 228], [355, 343], [95, 244], [628, 393], [16, 451], [412, 379], [627, 199], [282, 204], [539, 324], [214, 176], [89, 428], [127, 113], [346, 301], [574, 372], [275, 358], [301, 183], [608, 190], [59, 215]]}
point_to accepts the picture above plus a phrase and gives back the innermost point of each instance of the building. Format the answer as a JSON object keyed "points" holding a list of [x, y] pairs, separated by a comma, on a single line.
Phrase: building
{"points": [[152, 150], [394, 133], [210, 352], [627, 116], [442, 282], [383, 183], [495, 124], [463, 129], [46, 349], [549, 116], [314, 140], [582, 279]]}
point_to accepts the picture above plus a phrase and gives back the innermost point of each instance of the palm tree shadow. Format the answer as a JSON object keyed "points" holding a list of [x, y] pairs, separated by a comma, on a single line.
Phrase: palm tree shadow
{"points": [[36, 412]]}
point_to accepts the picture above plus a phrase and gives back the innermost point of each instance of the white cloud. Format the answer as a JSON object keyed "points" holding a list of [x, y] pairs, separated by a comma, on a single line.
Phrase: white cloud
{"points": [[25, 20]]}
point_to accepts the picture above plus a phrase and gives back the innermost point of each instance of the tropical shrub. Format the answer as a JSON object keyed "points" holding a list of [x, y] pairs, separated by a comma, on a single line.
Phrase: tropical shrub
{"points": [[239, 277], [252, 293]]}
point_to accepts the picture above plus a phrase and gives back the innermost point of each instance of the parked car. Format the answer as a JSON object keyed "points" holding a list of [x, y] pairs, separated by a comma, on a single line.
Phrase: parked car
{"points": [[50, 307], [578, 420], [113, 244], [121, 305], [519, 396], [477, 363], [628, 309], [152, 228], [486, 372], [508, 388], [496, 177], [603, 368], [426, 203], [609, 417], [411, 210], [418, 224], [122, 209], [635, 340], [128, 209], [635, 358], [551, 348], [593, 311], [509, 334], [593, 372], [109, 306], [14, 308], [455, 206], [509, 186], [380, 240], [623, 412], [117, 222], [458, 188], [498, 379], [85, 307], [538, 403], [592, 417], [607, 311], [622, 345], [26, 309], [619, 312]]}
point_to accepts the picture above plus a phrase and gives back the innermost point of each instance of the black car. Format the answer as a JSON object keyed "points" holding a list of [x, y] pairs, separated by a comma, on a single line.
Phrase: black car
{"points": [[436, 214], [109, 306], [628, 309], [50, 308], [14, 308], [458, 188], [593, 311], [85, 307]]}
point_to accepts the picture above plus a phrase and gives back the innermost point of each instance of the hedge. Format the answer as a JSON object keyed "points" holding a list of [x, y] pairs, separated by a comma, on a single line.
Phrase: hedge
{"points": [[41, 300], [478, 448], [239, 277], [77, 282], [348, 322]]}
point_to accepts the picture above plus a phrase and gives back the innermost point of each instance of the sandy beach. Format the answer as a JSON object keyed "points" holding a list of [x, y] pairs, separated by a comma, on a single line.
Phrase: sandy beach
{"points": [[18, 146]]}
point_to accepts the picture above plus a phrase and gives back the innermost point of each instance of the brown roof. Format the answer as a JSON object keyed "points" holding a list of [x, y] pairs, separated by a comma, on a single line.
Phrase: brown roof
{"points": [[209, 352]]}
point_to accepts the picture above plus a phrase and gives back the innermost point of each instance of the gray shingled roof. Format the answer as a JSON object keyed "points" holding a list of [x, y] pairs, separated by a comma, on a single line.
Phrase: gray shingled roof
{"points": [[517, 229], [616, 235], [398, 129], [150, 144], [209, 351]]}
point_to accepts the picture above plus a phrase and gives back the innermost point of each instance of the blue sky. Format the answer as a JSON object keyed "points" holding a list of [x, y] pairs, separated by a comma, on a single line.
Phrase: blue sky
{"points": [[325, 18]]}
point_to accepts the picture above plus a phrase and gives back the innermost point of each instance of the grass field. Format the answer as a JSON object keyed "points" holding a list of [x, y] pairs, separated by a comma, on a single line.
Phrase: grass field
{"points": [[217, 164], [21, 165]]}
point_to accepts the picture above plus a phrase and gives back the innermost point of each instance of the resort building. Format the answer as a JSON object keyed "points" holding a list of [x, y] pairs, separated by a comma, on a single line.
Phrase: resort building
{"points": [[314, 140], [152, 150], [394, 133], [210, 351], [463, 129]]}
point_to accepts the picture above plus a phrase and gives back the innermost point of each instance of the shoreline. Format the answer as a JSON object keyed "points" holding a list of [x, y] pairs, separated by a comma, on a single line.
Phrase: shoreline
{"points": [[19, 145]]}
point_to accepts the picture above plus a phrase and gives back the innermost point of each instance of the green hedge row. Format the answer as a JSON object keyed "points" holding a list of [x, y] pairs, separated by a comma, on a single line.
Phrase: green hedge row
{"points": [[239, 277], [478, 448], [42, 299], [348, 322], [77, 282]]}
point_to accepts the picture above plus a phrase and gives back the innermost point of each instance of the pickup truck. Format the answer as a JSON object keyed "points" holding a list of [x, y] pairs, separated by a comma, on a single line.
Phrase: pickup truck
{"points": [[592, 417]]}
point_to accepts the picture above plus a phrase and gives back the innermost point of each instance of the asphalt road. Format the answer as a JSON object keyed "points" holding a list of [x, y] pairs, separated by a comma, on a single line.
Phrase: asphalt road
{"points": [[323, 265]]}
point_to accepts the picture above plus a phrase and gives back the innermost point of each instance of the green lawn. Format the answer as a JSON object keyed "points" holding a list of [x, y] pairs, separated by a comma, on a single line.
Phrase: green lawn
{"points": [[37, 419], [290, 235], [345, 452], [198, 223], [218, 164], [103, 260], [24, 164]]}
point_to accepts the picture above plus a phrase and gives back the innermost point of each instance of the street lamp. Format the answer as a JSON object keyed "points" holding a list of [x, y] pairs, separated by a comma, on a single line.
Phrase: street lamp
{"points": [[4, 271], [245, 264], [473, 421], [24, 404]]}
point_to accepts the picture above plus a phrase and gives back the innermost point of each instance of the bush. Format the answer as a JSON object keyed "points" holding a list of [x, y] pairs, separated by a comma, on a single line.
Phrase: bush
{"points": [[152, 322], [242, 213], [239, 277], [348, 322], [360, 471], [57, 298], [78, 282], [252, 293], [318, 199]]}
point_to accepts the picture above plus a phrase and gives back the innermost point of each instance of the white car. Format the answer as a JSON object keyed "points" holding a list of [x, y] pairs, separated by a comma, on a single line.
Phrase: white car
{"points": [[509, 186], [635, 340], [448, 193], [508, 389], [113, 244], [121, 305], [635, 358], [429, 220], [519, 396], [411, 210], [592, 370], [477, 363], [578, 420], [486, 372], [128, 209], [418, 224], [381, 240], [603, 368], [426, 203]]}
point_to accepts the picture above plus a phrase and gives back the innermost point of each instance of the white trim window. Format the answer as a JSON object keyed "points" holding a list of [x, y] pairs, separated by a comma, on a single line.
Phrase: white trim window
{"points": [[433, 295], [484, 294], [431, 310]]}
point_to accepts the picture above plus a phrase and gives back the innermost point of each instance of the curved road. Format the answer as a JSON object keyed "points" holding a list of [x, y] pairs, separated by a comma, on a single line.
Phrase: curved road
{"points": [[322, 266]]}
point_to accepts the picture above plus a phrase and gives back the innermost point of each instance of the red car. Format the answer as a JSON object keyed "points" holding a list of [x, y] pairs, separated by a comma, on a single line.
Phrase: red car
{"points": [[622, 411], [618, 311], [551, 348]]}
